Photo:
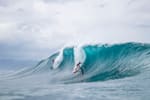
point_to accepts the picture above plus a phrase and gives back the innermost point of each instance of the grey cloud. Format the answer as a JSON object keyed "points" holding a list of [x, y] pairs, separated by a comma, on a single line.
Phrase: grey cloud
{"points": [[131, 2], [61, 1], [5, 2]]}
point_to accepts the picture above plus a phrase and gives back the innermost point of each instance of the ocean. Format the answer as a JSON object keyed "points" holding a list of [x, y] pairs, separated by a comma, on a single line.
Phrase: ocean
{"points": [[111, 72]]}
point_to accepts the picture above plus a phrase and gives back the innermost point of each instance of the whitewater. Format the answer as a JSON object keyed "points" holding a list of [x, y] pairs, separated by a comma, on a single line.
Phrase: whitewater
{"points": [[111, 72]]}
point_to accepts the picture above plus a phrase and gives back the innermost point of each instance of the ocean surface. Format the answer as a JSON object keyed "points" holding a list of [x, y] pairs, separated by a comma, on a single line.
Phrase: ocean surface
{"points": [[111, 72]]}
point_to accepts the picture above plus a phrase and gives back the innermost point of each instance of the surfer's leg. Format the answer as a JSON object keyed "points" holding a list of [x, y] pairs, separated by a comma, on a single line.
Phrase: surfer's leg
{"points": [[82, 70]]}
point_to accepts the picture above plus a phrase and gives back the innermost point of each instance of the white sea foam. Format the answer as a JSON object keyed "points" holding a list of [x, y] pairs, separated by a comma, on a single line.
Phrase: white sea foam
{"points": [[58, 59]]}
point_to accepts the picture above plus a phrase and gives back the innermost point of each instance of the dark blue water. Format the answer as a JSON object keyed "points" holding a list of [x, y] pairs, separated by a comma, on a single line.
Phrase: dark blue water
{"points": [[111, 72]]}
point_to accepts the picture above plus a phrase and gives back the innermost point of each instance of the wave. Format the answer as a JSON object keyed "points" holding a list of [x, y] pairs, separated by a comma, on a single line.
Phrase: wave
{"points": [[99, 62]]}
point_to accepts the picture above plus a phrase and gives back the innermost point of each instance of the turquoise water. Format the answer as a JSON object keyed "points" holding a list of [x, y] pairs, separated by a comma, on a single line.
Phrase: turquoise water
{"points": [[111, 72]]}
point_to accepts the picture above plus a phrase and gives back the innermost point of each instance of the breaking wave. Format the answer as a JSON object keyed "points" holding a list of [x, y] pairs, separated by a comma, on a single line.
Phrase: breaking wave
{"points": [[99, 63]]}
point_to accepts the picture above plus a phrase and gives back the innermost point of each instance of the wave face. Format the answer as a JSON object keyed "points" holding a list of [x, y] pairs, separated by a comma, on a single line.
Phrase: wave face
{"points": [[101, 62]]}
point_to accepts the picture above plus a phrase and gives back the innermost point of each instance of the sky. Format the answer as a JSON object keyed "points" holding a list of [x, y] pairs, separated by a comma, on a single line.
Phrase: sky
{"points": [[31, 30]]}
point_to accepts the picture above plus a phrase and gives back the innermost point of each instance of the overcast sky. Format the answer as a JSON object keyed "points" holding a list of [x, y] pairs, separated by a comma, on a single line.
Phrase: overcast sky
{"points": [[31, 30]]}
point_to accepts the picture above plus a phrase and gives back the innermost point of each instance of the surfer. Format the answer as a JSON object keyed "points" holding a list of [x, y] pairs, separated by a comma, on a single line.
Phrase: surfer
{"points": [[77, 67]]}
